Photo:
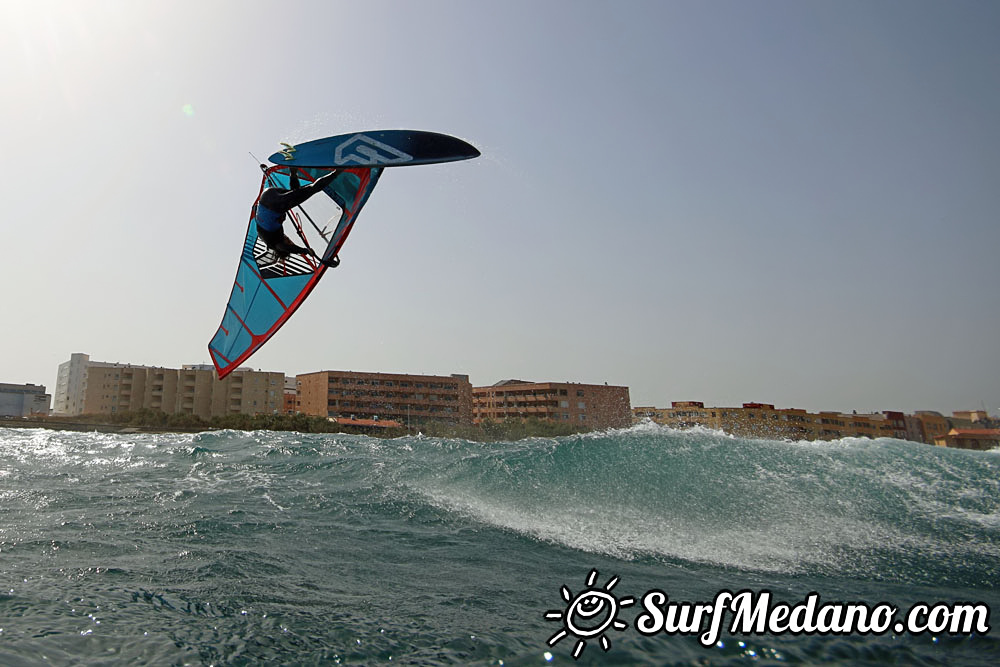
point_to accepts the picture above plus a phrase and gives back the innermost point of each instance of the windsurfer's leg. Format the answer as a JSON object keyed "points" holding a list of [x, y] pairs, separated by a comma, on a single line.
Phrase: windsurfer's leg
{"points": [[285, 200], [286, 247], [271, 239]]}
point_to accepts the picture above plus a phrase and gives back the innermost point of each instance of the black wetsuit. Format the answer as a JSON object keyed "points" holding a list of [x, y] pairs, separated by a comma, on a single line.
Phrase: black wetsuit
{"points": [[273, 207]]}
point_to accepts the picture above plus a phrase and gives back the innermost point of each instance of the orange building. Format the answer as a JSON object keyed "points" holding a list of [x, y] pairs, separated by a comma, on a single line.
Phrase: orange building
{"points": [[927, 426], [595, 406], [408, 399]]}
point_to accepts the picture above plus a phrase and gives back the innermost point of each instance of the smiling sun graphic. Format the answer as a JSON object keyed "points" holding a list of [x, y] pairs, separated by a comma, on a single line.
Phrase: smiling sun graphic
{"points": [[589, 614]]}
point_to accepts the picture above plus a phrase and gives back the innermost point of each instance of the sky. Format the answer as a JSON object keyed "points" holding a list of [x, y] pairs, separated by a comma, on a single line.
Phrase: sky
{"points": [[794, 203]]}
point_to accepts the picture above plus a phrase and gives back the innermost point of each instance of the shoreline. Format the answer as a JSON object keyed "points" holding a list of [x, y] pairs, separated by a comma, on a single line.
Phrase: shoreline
{"points": [[27, 422], [487, 432]]}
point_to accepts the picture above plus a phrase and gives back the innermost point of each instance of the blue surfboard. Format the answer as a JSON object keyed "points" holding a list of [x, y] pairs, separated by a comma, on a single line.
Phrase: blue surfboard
{"points": [[376, 148]]}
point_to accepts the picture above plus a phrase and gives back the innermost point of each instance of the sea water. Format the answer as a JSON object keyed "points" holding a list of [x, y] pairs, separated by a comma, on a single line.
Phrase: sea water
{"points": [[230, 547]]}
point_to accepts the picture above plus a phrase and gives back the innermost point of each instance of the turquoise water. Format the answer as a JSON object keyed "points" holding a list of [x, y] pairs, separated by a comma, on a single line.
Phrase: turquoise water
{"points": [[243, 548]]}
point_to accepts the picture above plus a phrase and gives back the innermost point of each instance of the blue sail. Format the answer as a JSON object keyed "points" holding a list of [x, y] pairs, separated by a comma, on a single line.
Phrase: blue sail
{"points": [[268, 288]]}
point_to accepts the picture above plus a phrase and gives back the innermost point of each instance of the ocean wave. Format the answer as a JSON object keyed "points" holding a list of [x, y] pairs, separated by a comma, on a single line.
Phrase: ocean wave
{"points": [[858, 507]]}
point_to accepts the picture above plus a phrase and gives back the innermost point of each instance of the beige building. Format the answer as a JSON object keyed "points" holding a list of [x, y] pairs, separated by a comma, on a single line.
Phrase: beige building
{"points": [[763, 420], [681, 414], [592, 405], [973, 416], [112, 388], [752, 420], [408, 399]]}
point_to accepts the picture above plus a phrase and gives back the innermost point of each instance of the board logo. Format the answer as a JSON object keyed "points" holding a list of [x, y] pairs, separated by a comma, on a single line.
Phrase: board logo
{"points": [[363, 150], [288, 152], [589, 614]]}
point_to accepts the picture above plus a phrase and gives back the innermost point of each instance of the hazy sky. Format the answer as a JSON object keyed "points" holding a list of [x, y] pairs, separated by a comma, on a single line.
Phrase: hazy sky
{"points": [[789, 202]]}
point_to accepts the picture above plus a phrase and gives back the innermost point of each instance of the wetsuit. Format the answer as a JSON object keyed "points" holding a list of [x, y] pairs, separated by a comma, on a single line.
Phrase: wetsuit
{"points": [[270, 227], [273, 207]]}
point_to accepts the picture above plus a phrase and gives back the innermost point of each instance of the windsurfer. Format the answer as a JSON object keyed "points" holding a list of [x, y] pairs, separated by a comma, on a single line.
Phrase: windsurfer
{"points": [[273, 207]]}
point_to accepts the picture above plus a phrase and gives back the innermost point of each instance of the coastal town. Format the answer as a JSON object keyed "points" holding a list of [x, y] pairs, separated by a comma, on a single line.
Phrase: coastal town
{"points": [[378, 400]]}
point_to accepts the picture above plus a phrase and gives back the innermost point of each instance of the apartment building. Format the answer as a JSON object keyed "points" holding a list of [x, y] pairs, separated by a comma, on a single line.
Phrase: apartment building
{"points": [[926, 426], [763, 420], [895, 425], [23, 400], [592, 405], [970, 438], [88, 387], [753, 420], [291, 394], [408, 399], [681, 414], [68, 399], [974, 416]]}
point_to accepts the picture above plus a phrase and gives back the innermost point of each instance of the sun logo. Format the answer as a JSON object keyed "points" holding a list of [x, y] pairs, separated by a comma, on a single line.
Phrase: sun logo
{"points": [[589, 614]]}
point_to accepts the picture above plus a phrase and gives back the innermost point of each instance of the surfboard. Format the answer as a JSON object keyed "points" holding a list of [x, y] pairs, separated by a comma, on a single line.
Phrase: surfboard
{"points": [[376, 148]]}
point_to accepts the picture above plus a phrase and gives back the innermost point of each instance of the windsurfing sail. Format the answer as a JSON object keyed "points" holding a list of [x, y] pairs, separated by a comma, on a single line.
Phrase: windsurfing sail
{"points": [[269, 288]]}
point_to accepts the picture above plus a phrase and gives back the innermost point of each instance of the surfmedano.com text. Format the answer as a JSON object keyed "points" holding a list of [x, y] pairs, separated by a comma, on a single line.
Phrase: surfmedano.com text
{"points": [[754, 614]]}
